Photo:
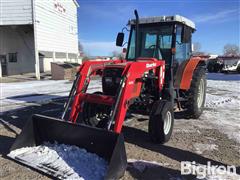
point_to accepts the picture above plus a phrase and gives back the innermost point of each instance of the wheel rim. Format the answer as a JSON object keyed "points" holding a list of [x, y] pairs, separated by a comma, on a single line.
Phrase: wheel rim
{"points": [[200, 93], [167, 122]]}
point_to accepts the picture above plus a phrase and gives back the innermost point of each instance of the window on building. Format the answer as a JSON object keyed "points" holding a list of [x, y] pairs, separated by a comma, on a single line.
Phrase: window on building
{"points": [[12, 57]]}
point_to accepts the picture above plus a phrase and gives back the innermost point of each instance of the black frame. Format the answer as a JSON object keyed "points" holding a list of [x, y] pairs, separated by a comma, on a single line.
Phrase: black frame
{"points": [[174, 23], [12, 57]]}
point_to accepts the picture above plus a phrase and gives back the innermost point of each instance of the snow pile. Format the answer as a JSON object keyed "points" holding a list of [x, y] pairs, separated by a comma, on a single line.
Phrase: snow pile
{"points": [[141, 165], [201, 148], [21, 94], [63, 161], [222, 107]]}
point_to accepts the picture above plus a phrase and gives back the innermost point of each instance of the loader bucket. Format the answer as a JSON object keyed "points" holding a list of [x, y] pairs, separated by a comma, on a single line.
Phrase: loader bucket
{"points": [[105, 144]]}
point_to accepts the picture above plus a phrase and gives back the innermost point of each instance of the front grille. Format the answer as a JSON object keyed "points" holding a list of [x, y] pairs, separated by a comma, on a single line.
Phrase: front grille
{"points": [[111, 80]]}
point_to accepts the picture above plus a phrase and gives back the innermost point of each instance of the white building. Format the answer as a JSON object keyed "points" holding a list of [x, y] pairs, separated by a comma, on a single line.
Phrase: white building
{"points": [[34, 33]]}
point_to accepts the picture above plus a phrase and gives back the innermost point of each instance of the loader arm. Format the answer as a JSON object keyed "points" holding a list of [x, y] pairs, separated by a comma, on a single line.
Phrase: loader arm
{"points": [[88, 69], [130, 87]]}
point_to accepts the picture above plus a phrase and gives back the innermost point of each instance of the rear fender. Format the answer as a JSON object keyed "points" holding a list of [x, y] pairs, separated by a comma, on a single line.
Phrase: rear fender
{"points": [[188, 71]]}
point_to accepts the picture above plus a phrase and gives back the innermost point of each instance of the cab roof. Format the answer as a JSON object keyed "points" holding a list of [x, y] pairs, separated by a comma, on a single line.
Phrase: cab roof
{"points": [[159, 19]]}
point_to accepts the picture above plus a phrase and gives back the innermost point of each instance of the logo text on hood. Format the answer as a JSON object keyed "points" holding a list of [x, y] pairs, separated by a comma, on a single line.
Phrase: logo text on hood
{"points": [[151, 65]]}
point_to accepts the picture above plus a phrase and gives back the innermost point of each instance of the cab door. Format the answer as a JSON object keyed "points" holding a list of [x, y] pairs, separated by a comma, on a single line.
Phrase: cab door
{"points": [[182, 54]]}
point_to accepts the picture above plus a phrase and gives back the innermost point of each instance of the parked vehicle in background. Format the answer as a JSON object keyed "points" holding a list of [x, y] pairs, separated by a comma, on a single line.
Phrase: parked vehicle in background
{"points": [[214, 65], [231, 65], [224, 64]]}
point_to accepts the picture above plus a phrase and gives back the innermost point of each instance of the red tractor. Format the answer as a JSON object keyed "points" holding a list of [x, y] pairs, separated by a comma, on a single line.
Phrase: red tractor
{"points": [[158, 76]]}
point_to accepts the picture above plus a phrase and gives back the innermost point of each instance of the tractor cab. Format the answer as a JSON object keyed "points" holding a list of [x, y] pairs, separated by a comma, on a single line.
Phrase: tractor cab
{"points": [[160, 38]]}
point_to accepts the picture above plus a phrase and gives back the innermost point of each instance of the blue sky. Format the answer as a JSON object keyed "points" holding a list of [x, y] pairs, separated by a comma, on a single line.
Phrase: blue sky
{"points": [[217, 21]]}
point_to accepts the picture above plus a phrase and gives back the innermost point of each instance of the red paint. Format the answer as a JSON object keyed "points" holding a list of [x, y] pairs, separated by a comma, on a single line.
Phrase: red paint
{"points": [[133, 71], [188, 72]]}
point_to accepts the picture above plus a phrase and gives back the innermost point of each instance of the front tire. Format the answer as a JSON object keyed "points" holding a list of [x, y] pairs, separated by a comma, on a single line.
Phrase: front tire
{"points": [[197, 93], [161, 122]]}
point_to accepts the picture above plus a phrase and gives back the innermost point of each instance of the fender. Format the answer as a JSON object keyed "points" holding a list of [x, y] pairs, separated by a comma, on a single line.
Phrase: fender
{"points": [[188, 72]]}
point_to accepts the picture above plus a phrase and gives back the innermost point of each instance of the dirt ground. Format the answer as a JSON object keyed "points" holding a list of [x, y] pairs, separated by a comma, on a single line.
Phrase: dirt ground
{"points": [[138, 146], [201, 140]]}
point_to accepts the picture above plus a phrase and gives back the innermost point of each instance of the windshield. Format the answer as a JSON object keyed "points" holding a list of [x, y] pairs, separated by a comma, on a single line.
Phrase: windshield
{"points": [[153, 42]]}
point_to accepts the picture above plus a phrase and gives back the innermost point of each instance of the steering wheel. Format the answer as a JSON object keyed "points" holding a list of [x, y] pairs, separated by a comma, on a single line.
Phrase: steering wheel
{"points": [[153, 45], [155, 50]]}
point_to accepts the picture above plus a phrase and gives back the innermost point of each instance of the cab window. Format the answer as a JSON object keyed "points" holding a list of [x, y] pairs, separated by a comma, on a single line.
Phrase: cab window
{"points": [[150, 40], [183, 49]]}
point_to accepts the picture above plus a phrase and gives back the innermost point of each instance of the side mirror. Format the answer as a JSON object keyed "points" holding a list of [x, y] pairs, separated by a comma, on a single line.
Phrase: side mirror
{"points": [[120, 39]]}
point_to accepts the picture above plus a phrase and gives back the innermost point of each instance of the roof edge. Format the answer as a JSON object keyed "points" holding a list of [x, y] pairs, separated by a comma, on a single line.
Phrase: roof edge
{"points": [[160, 19], [76, 3]]}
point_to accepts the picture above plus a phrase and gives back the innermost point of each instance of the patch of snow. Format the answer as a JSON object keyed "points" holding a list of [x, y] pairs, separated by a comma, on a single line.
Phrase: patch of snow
{"points": [[190, 129], [201, 148], [63, 161], [141, 165], [20, 94], [222, 105]]}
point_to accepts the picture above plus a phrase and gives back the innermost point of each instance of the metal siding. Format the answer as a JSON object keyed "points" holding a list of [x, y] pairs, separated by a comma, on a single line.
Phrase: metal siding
{"points": [[15, 12], [18, 39], [53, 28]]}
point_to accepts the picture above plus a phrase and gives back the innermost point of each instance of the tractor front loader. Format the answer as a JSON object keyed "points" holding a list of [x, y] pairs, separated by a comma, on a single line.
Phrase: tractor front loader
{"points": [[157, 77]]}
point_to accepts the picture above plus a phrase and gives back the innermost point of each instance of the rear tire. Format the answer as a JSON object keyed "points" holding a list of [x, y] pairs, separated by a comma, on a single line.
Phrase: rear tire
{"points": [[210, 67], [197, 93], [161, 122]]}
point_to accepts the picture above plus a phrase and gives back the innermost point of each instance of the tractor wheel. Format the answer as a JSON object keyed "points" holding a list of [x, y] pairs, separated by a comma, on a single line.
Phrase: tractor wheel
{"points": [[95, 115], [197, 94], [161, 121], [210, 68]]}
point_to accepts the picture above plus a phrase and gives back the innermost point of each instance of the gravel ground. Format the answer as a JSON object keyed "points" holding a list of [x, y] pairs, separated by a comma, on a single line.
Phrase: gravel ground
{"points": [[200, 140]]}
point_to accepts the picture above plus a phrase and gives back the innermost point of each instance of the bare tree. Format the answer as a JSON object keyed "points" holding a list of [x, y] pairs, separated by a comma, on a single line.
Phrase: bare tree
{"points": [[85, 58], [80, 47], [196, 47], [231, 50], [117, 54]]}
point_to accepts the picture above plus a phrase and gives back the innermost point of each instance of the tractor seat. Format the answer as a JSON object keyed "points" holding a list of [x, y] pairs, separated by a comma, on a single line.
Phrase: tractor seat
{"points": [[166, 55], [147, 53]]}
